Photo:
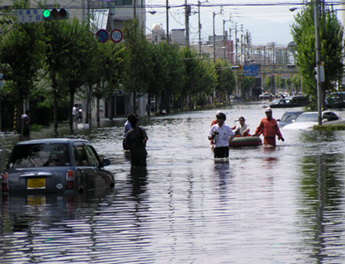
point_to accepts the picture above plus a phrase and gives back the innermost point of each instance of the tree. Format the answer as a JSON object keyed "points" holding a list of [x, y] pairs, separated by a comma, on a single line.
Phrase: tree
{"points": [[331, 41], [106, 71], [19, 66], [226, 80], [167, 74], [138, 64]]}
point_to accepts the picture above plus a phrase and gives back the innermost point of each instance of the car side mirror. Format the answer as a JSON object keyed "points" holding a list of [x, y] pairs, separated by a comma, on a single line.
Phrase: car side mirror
{"points": [[106, 162], [278, 120]]}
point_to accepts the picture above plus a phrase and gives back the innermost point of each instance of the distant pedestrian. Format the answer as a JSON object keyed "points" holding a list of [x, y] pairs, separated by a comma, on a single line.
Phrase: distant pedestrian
{"points": [[148, 109], [269, 128], [26, 123], [75, 111], [136, 139]]}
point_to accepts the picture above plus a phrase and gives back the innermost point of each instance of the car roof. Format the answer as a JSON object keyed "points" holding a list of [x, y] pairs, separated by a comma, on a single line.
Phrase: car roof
{"points": [[51, 140]]}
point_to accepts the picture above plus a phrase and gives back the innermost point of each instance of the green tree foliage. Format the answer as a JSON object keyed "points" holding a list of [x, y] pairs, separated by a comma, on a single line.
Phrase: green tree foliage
{"points": [[225, 78], [138, 64], [21, 59], [168, 73], [331, 40], [105, 72], [246, 84], [200, 77]]}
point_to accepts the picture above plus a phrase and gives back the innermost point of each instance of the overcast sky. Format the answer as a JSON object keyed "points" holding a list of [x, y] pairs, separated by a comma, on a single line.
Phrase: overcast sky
{"points": [[267, 20]]}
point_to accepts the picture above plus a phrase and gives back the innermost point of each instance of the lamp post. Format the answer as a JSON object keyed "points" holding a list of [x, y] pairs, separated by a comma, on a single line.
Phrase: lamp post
{"points": [[317, 59]]}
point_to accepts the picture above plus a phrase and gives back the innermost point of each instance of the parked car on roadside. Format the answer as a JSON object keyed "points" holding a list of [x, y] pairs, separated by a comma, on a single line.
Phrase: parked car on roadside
{"points": [[280, 103], [235, 99], [288, 118], [298, 100], [55, 166], [309, 119]]}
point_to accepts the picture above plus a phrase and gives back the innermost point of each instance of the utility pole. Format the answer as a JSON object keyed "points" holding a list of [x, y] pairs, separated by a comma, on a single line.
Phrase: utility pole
{"points": [[199, 27], [167, 20], [187, 12], [318, 59]]}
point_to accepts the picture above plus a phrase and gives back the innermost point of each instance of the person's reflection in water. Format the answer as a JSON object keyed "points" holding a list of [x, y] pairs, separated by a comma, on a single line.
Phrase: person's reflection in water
{"points": [[138, 180], [222, 174]]}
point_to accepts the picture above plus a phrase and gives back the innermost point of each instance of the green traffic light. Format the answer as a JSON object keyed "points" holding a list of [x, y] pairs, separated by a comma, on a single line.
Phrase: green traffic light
{"points": [[46, 13]]}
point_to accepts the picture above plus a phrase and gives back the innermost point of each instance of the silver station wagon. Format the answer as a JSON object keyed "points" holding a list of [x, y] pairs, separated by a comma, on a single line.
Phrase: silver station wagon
{"points": [[55, 165]]}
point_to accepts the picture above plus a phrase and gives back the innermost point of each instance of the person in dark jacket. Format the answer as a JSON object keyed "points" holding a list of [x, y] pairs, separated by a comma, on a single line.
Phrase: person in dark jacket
{"points": [[136, 139]]}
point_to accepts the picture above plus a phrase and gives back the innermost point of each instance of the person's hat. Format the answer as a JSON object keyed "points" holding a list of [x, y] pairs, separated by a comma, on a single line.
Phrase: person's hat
{"points": [[268, 109]]}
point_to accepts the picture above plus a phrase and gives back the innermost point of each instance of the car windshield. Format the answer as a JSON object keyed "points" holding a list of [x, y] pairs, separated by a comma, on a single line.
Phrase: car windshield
{"points": [[289, 117], [275, 101], [40, 155], [307, 118]]}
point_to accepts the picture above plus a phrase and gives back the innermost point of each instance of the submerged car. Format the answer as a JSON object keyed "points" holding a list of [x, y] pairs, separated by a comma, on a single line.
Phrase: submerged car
{"points": [[55, 166], [280, 103], [288, 118], [309, 119]]}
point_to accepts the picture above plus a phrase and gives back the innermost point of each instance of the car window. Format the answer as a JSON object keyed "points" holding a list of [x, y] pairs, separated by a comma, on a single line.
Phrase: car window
{"points": [[85, 155], [80, 156], [92, 156], [307, 118], [289, 117], [330, 116], [39, 155]]}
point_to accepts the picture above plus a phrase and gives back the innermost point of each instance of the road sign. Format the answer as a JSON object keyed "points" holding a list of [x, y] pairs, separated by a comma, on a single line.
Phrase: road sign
{"points": [[102, 35], [116, 35], [250, 70], [29, 15]]}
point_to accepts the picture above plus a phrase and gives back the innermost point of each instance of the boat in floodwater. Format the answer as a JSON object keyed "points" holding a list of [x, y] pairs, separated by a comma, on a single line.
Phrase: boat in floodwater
{"points": [[249, 141]]}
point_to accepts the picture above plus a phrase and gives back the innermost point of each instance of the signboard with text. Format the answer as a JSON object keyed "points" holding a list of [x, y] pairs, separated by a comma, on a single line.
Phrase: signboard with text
{"points": [[29, 15], [250, 70]]}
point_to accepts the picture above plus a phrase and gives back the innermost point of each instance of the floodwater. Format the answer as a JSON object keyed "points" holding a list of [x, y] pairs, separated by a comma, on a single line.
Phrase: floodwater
{"points": [[282, 205]]}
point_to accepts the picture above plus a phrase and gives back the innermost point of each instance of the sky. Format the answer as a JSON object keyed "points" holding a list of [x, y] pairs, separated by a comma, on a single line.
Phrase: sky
{"points": [[267, 21]]}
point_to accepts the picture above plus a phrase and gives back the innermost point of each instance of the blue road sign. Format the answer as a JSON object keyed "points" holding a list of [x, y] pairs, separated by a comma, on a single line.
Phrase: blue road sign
{"points": [[102, 35], [250, 70]]}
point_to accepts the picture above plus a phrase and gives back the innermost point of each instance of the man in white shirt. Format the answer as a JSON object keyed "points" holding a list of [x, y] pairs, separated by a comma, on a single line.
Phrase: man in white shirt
{"points": [[221, 134]]}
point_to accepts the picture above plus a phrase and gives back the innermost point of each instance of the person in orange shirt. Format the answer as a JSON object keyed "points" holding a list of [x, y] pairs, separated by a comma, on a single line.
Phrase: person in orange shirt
{"points": [[269, 128]]}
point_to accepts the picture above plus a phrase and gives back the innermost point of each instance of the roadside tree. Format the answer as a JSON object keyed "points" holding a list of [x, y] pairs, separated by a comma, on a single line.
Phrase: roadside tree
{"points": [[331, 42], [21, 59]]}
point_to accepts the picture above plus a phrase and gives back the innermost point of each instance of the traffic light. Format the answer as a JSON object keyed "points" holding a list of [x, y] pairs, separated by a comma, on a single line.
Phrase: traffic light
{"points": [[55, 14], [321, 72], [235, 67]]}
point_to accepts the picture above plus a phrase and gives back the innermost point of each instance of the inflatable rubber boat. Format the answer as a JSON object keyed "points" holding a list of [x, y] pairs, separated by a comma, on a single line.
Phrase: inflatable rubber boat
{"points": [[250, 141]]}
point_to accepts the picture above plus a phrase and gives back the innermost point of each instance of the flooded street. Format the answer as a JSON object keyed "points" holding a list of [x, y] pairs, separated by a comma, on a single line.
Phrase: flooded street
{"points": [[282, 205]]}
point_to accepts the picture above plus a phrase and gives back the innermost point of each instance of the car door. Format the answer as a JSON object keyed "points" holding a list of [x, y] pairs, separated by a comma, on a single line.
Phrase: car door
{"points": [[91, 175], [102, 178]]}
